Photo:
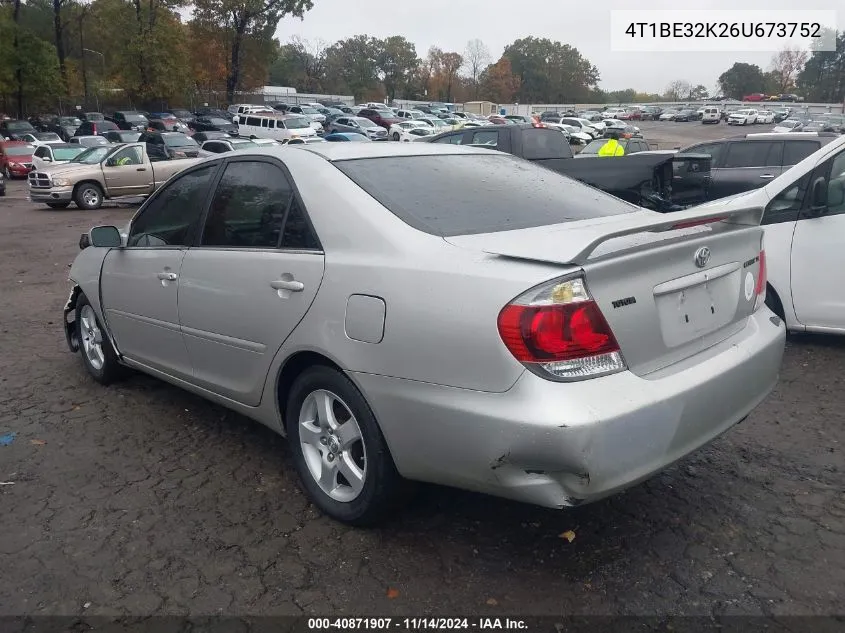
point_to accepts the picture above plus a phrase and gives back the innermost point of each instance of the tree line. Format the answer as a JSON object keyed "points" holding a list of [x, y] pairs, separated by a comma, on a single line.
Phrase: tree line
{"points": [[818, 76]]}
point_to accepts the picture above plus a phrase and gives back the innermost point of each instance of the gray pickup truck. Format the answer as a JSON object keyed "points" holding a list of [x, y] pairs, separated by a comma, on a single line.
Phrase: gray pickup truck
{"points": [[103, 173]]}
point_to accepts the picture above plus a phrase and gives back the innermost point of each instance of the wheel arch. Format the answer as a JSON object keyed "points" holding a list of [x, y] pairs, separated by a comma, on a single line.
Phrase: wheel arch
{"points": [[89, 181], [291, 368]]}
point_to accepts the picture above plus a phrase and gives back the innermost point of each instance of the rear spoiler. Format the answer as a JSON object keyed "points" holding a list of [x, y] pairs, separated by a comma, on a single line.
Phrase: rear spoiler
{"points": [[689, 218]]}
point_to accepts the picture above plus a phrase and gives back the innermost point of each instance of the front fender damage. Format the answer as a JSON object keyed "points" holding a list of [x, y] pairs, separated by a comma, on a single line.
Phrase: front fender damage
{"points": [[71, 335]]}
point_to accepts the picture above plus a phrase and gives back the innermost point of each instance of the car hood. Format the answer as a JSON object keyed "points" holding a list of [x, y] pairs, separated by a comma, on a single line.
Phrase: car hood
{"points": [[69, 169]]}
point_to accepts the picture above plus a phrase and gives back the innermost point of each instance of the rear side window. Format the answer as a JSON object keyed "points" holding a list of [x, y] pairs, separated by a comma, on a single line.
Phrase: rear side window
{"points": [[451, 139], [251, 120], [477, 193], [249, 206], [796, 151], [542, 144]]}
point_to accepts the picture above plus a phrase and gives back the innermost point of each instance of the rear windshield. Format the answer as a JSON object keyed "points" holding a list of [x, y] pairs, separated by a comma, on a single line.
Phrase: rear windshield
{"points": [[19, 150], [179, 140], [476, 193]]}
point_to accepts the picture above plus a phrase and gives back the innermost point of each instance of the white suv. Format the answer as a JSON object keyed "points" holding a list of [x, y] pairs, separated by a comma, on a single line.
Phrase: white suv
{"points": [[746, 116], [711, 115]]}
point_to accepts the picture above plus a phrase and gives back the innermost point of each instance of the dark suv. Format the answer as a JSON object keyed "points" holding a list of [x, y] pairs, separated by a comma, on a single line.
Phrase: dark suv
{"points": [[747, 162]]}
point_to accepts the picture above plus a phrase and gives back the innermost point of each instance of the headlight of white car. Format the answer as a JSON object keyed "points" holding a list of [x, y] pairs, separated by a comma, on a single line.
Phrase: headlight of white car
{"points": [[61, 182]]}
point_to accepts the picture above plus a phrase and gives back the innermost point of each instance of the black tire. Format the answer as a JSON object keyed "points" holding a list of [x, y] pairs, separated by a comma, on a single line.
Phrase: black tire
{"points": [[396, 136], [111, 369], [8, 173], [88, 196], [58, 205], [382, 483]]}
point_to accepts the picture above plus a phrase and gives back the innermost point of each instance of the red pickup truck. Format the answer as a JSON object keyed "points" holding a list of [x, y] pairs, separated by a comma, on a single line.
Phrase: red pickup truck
{"points": [[755, 96]]}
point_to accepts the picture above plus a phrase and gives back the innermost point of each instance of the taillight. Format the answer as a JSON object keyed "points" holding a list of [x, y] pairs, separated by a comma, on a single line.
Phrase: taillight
{"points": [[760, 290], [558, 331]]}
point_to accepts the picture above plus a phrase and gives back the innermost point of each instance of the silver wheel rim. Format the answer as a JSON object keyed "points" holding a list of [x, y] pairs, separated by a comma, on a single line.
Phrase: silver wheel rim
{"points": [[92, 337], [90, 197], [332, 445]]}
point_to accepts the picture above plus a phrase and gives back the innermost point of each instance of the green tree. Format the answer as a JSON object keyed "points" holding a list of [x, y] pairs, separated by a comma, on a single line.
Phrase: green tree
{"points": [[352, 65], [243, 20], [620, 96], [300, 63], [823, 76], [698, 93], [550, 72], [396, 60], [742, 79]]}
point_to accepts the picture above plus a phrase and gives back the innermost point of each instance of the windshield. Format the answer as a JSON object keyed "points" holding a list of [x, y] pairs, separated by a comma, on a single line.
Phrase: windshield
{"points": [[310, 111], [92, 156], [421, 131], [242, 144], [70, 121], [216, 121], [94, 116], [438, 123], [297, 123], [91, 141], [66, 153], [789, 123], [477, 193], [179, 140], [19, 150], [365, 122], [20, 126], [136, 118]]}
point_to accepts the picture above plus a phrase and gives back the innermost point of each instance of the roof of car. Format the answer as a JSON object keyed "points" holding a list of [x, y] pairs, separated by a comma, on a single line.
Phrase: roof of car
{"points": [[349, 151], [783, 135]]}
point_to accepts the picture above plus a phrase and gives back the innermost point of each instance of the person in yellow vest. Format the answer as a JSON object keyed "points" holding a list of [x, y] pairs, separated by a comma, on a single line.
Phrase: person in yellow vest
{"points": [[612, 147]]}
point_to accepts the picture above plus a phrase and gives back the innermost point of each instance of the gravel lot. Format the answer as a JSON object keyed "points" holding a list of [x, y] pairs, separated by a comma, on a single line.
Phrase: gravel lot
{"points": [[142, 499]]}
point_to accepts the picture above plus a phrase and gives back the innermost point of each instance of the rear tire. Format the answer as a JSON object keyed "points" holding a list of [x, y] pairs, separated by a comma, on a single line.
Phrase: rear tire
{"points": [[339, 452]]}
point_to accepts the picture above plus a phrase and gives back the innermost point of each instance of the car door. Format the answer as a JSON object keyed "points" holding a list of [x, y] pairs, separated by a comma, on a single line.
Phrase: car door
{"points": [[745, 165], [818, 250], [139, 282], [121, 172], [250, 281]]}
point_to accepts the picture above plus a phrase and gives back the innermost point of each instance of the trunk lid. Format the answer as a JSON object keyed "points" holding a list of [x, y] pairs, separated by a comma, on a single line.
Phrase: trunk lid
{"points": [[669, 286]]}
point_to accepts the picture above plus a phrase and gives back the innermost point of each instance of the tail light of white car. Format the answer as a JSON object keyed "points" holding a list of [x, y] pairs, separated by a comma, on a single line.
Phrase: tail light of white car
{"points": [[760, 289], [558, 332]]}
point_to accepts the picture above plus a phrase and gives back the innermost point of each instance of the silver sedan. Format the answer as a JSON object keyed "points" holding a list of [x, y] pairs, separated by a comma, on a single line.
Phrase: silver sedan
{"points": [[487, 324]]}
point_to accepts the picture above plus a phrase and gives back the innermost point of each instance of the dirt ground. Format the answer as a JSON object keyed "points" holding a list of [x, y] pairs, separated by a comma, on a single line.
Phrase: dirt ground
{"points": [[142, 499]]}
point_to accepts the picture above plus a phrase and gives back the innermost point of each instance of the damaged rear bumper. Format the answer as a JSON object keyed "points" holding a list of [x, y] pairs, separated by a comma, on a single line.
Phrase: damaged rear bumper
{"points": [[563, 444], [71, 335]]}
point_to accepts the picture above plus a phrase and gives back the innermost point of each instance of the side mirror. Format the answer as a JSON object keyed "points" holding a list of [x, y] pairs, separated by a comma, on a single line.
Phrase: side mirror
{"points": [[47, 159], [104, 236], [818, 198]]}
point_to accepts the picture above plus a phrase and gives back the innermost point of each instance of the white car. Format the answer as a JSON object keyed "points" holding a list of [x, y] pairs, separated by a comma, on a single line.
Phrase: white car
{"points": [[409, 130], [765, 116], [804, 221], [788, 125], [593, 128], [746, 116], [439, 125], [50, 154], [614, 113], [42, 138], [573, 132], [667, 115], [410, 114]]}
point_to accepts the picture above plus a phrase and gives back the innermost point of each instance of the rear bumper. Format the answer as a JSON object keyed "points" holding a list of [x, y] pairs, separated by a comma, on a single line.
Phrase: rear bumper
{"points": [[54, 194], [563, 444]]}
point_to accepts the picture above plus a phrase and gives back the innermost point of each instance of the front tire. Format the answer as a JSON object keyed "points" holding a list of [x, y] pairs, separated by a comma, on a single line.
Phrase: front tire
{"points": [[339, 451], [396, 136], [88, 196], [58, 205], [8, 173], [98, 355]]}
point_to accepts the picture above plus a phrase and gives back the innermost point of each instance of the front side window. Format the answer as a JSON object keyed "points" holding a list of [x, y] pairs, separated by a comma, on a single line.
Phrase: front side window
{"points": [[836, 185], [540, 144], [485, 138], [714, 150], [172, 218], [127, 156], [751, 153], [249, 206], [451, 139], [785, 206]]}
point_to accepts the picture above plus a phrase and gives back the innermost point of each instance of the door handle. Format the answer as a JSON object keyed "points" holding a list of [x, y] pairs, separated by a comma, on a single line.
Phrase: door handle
{"points": [[287, 284], [141, 169], [767, 176], [165, 276]]}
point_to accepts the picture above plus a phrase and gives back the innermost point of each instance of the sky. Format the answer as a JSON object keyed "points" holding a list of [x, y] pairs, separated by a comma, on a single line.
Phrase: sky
{"points": [[584, 24]]}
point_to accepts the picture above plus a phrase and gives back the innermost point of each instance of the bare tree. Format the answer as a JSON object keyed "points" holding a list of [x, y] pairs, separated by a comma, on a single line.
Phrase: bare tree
{"points": [[786, 65], [677, 90], [311, 56], [476, 59]]}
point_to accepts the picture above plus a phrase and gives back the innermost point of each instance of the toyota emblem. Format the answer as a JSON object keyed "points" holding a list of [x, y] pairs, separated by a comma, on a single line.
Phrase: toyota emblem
{"points": [[702, 256]]}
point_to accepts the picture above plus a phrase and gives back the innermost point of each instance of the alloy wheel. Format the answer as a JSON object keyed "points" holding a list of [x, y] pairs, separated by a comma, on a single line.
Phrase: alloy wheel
{"points": [[92, 338], [332, 445]]}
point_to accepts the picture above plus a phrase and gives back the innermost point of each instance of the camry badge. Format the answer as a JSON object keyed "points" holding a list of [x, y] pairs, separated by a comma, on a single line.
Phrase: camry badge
{"points": [[702, 256]]}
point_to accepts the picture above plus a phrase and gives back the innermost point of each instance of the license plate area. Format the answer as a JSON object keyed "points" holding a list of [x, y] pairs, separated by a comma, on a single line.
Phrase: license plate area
{"points": [[703, 304]]}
